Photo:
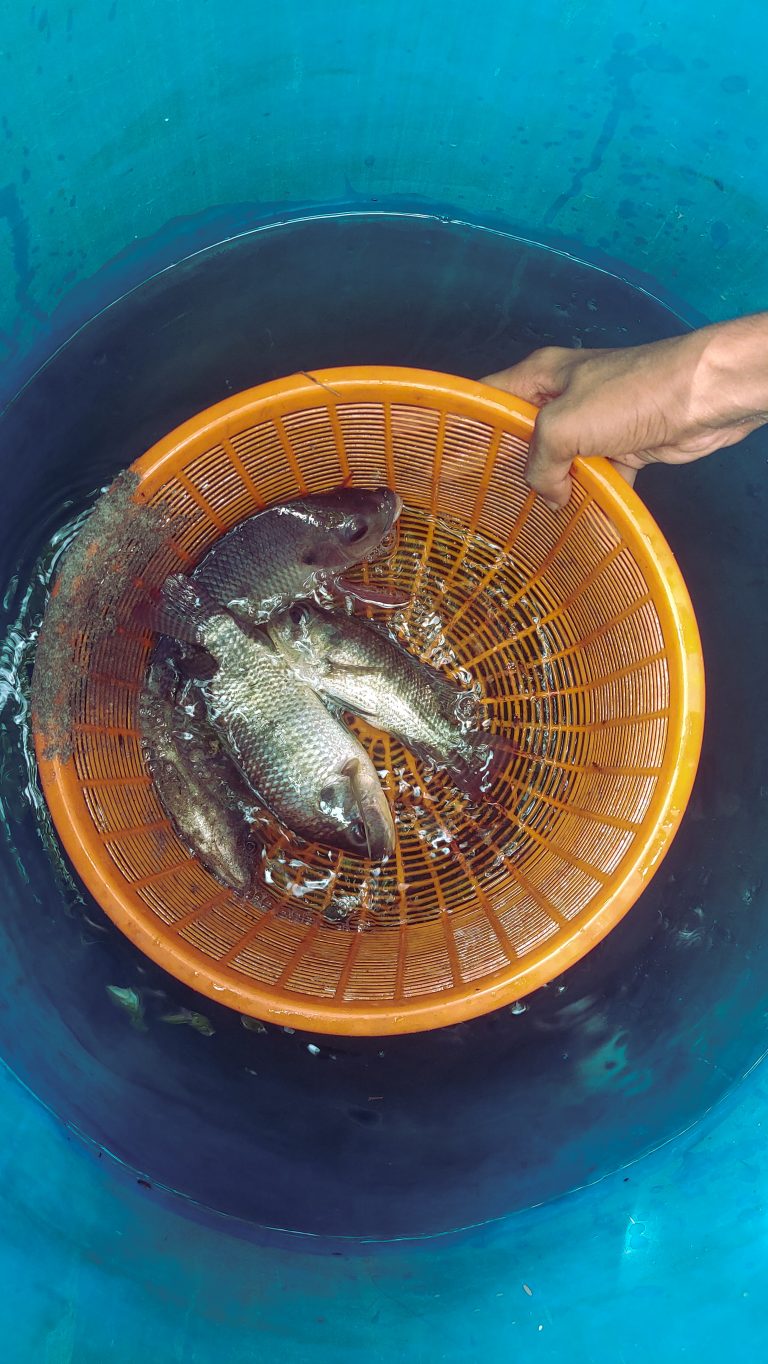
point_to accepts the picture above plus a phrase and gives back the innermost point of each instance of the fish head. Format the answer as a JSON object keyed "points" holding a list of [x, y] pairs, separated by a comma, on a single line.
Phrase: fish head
{"points": [[235, 856], [354, 802], [343, 527], [243, 868]]}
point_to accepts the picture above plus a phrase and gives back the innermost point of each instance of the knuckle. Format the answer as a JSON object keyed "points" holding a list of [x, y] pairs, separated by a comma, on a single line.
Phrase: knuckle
{"points": [[550, 355]]}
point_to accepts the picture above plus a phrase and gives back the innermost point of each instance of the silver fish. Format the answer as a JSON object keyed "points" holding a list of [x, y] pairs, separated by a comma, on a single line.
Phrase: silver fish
{"points": [[198, 783], [292, 548], [359, 666], [300, 761]]}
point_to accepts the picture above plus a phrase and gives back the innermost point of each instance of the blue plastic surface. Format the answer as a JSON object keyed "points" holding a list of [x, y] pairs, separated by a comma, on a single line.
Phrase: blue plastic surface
{"points": [[134, 136]]}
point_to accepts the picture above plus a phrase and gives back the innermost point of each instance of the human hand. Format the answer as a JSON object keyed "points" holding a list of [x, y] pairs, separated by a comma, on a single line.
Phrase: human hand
{"points": [[669, 402]]}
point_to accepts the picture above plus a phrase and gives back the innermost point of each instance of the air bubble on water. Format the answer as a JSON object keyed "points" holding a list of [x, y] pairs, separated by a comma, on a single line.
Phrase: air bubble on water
{"points": [[336, 913], [10, 592], [323, 596], [345, 903], [19, 787]]}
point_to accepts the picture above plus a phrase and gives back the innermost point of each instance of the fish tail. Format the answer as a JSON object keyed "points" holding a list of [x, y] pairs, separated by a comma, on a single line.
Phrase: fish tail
{"points": [[476, 773], [180, 611], [502, 747]]}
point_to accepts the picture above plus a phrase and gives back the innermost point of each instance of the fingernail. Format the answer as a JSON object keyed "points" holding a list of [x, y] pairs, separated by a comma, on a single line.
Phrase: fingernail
{"points": [[553, 506]]}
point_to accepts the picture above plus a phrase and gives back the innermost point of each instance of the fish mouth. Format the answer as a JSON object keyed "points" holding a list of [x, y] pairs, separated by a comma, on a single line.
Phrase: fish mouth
{"points": [[379, 824], [384, 548], [380, 834], [375, 810]]}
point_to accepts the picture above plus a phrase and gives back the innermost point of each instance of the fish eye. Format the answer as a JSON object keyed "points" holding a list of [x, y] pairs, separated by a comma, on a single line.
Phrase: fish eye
{"points": [[355, 531], [357, 831]]}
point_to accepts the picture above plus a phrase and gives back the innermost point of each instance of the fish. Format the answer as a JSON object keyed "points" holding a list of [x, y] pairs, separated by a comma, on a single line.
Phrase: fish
{"points": [[199, 785], [131, 1001], [292, 549], [356, 664], [192, 1019], [301, 762]]}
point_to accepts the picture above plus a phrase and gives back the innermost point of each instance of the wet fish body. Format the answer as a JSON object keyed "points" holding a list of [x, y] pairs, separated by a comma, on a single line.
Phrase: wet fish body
{"points": [[358, 665], [291, 549], [192, 1019], [199, 785], [300, 761], [129, 999]]}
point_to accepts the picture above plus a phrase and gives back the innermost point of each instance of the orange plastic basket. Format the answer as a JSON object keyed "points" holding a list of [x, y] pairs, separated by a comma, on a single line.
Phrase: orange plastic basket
{"points": [[578, 627]]}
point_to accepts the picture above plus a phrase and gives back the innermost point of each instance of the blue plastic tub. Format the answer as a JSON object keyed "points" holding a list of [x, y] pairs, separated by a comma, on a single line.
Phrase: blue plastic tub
{"points": [[192, 201]]}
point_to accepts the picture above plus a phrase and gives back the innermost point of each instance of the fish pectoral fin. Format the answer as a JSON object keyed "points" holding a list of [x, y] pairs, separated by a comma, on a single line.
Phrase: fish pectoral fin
{"points": [[337, 668], [338, 698], [369, 594]]}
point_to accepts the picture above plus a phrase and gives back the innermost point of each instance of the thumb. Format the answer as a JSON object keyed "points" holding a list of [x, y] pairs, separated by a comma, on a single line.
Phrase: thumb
{"points": [[537, 379]]}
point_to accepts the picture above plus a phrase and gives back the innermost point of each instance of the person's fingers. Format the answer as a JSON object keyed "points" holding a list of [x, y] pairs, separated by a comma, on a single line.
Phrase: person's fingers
{"points": [[627, 472], [550, 455]]}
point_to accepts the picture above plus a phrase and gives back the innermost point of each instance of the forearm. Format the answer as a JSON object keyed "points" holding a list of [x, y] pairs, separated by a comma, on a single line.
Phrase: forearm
{"points": [[732, 379]]}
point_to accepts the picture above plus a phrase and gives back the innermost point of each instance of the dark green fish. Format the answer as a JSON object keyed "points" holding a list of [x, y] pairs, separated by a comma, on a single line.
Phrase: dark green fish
{"points": [[301, 762], [198, 783], [293, 548], [359, 666]]}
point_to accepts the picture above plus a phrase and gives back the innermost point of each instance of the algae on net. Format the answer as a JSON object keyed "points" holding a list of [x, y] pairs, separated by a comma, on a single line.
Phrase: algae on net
{"points": [[104, 561]]}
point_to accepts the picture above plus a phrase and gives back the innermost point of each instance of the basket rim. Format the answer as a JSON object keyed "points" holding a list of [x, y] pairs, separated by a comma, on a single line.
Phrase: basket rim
{"points": [[678, 768]]}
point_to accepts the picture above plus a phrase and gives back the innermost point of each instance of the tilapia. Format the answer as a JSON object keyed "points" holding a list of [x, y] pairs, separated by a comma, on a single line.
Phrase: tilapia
{"points": [[292, 548], [302, 763], [359, 666], [129, 999], [199, 785]]}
